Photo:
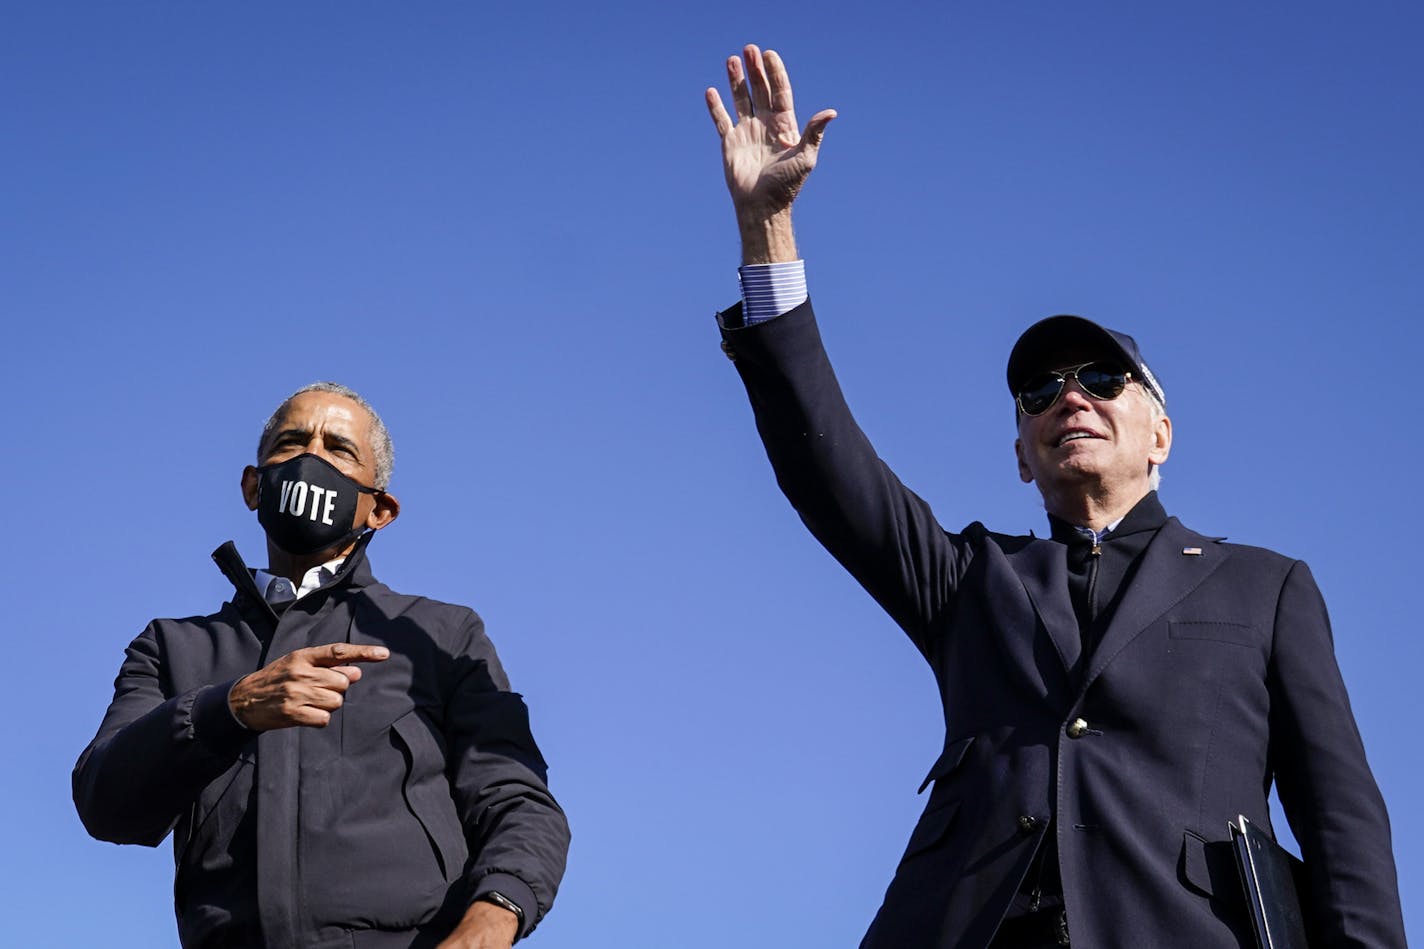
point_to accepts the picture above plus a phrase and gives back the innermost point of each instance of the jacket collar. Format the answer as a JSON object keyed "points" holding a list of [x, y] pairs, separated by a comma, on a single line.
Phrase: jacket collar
{"points": [[1037, 593], [355, 572], [1147, 514]]}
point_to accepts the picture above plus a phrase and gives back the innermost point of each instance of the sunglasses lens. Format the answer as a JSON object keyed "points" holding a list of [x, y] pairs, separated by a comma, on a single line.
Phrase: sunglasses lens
{"points": [[1039, 392], [1102, 380]]}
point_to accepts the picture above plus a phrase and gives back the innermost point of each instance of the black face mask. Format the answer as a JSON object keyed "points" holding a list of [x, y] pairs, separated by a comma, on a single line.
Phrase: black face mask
{"points": [[306, 504]]}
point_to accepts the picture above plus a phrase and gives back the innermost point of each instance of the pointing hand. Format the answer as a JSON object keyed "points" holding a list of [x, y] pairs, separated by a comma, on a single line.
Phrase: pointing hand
{"points": [[302, 688]]}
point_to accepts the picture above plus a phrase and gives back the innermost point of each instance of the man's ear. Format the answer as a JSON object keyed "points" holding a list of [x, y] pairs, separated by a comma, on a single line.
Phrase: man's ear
{"points": [[1025, 475], [1161, 441], [250, 483], [385, 510]]}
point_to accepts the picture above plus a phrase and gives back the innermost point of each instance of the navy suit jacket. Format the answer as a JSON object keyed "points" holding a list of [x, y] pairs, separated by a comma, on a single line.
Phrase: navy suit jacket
{"points": [[1215, 677]]}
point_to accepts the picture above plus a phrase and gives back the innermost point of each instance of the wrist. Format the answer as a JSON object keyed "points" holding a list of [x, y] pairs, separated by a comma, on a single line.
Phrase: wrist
{"points": [[767, 238], [496, 898], [237, 702], [485, 924]]}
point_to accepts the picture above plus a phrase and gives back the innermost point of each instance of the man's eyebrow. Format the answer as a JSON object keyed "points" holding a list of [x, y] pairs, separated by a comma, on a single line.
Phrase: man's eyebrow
{"points": [[341, 441], [277, 437]]}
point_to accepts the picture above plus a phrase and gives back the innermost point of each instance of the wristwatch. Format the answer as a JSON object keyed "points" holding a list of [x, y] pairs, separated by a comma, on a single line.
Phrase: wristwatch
{"points": [[504, 902]]}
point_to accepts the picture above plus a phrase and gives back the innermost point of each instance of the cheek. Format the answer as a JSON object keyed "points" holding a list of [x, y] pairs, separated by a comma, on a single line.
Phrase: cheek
{"points": [[1143, 437], [364, 505]]}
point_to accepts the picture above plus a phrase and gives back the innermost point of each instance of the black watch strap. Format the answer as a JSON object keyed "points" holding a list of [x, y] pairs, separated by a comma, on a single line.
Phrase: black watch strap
{"points": [[504, 902]]}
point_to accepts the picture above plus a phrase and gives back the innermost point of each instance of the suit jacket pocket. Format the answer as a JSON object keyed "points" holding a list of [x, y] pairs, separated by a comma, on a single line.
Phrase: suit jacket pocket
{"points": [[427, 792], [948, 760], [943, 804], [934, 823], [1239, 634]]}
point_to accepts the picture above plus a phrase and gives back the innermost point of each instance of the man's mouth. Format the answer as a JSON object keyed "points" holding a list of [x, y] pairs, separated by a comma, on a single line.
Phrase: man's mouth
{"points": [[1074, 435]]}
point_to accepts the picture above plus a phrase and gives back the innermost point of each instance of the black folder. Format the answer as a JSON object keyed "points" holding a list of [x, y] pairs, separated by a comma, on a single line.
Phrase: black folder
{"points": [[1270, 873]]}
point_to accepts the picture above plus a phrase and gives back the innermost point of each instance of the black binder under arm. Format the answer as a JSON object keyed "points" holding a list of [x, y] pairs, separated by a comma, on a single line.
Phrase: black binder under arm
{"points": [[1269, 873]]}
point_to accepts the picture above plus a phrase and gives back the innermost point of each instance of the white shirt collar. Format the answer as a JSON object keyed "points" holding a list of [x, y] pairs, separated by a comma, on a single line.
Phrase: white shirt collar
{"points": [[310, 580]]}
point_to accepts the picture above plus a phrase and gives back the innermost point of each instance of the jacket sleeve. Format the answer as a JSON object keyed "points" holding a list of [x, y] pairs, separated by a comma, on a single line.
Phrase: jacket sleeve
{"points": [[1329, 795], [153, 753], [516, 830], [879, 530]]}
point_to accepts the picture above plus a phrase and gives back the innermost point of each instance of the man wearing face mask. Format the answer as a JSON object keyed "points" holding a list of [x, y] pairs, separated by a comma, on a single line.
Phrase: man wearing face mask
{"points": [[339, 764]]}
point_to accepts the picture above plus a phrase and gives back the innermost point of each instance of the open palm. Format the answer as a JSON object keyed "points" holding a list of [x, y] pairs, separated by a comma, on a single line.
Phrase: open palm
{"points": [[765, 155]]}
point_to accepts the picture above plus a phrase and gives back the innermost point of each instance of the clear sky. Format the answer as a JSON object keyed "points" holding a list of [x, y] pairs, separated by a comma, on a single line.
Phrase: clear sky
{"points": [[506, 225]]}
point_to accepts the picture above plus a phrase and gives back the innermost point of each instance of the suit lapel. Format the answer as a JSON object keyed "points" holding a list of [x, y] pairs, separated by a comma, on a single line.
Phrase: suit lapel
{"points": [[1166, 575], [1035, 590]]}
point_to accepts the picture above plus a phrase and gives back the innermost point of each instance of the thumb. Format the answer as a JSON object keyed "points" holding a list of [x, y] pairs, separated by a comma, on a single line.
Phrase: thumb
{"points": [[816, 129], [335, 654]]}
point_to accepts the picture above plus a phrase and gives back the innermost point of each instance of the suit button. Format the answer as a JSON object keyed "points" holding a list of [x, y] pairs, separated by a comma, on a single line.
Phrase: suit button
{"points": [[1077, 728], [1028, 824]]}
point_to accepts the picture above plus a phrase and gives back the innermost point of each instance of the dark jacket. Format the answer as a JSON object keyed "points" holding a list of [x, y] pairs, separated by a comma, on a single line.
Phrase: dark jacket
{"points": [[1215, 677], [424, 791]]}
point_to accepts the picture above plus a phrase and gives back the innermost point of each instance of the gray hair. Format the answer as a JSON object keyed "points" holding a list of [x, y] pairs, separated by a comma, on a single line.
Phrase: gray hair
{"points": [[381, 445], [1159, 411]]}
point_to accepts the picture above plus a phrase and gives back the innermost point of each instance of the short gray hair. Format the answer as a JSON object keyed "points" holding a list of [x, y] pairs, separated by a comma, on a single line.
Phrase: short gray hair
{"points": [[1159, 411], [381, 444]]}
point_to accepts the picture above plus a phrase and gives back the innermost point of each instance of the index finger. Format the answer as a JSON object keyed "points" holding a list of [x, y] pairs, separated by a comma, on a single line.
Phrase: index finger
{"points": [[335, 654]]}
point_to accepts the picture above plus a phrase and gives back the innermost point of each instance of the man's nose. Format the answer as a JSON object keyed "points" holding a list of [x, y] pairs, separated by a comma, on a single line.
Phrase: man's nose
{"points": [[1074, 394]]}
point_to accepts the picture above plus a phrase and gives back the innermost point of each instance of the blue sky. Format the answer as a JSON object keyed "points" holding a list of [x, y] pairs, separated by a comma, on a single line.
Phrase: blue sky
{"points": [[506, 225]]}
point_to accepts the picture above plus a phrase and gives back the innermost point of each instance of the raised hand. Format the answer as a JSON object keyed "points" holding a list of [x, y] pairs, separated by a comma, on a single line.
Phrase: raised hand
{"points": [[765, 155], [302, 688]]}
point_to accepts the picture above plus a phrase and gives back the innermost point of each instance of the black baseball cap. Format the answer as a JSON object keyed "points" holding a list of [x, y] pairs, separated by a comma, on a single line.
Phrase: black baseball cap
{"points": [[1036, 348]]}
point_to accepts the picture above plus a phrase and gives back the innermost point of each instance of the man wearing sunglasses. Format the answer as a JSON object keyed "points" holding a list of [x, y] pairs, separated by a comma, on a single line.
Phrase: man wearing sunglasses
{"points": [[1114, 694]]}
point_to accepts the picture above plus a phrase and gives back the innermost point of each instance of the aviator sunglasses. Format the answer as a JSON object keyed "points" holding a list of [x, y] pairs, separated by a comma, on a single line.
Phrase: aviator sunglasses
{"points": [[1102, 380]]}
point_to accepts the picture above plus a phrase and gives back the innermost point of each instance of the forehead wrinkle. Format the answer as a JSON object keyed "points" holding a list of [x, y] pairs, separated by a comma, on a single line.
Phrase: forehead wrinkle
{"points": [[292, 430], [277, 434], [329, 416], [335, 421]]}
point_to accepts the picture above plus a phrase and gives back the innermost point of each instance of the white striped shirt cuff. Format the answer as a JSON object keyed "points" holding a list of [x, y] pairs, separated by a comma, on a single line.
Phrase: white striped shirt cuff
{"points": [[769, 290]]}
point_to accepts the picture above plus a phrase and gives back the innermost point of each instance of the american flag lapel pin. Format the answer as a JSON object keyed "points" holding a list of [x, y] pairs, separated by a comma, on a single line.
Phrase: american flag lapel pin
{"points": [[1192, 551]]}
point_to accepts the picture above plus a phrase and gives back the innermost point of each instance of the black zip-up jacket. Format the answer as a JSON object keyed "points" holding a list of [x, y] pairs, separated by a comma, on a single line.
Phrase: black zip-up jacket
{"points": [[425, 791]]}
